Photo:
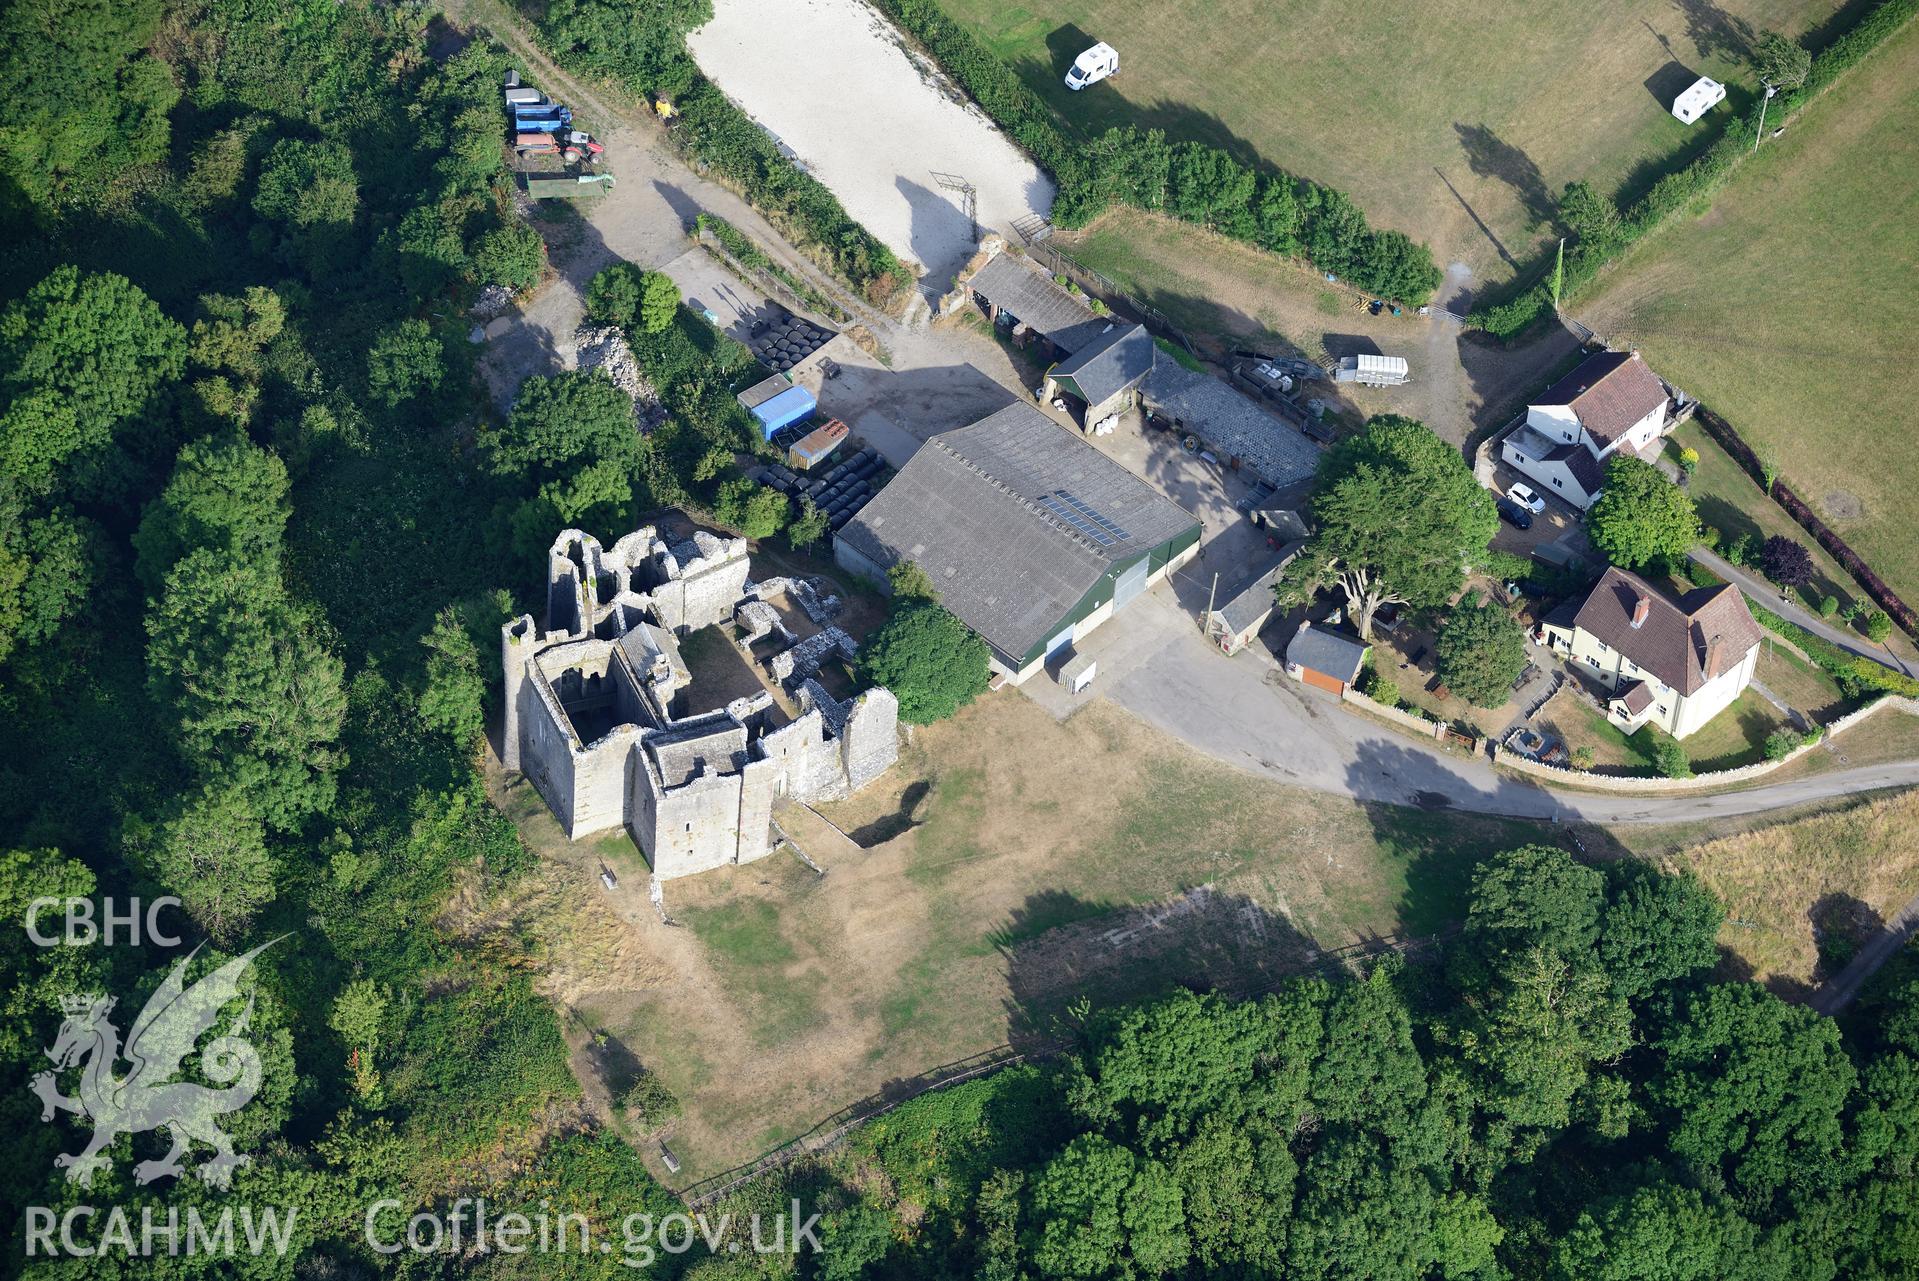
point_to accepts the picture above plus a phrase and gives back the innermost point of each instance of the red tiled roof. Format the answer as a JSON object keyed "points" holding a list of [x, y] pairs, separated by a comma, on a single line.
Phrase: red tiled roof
{"points": [[1675, 640], [1609, 392]]}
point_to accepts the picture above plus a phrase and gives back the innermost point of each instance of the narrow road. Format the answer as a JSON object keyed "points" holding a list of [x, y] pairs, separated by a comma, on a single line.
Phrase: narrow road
{"points": [[1759, 590], [1837, 992]]}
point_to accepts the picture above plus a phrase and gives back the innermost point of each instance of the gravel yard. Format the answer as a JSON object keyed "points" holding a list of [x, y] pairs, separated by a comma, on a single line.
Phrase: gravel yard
{"points": [[833, 81]]}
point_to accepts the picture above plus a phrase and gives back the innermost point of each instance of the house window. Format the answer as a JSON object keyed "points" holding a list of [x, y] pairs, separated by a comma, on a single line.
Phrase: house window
{"points": [[1602, 647], [1662, 709], [1556, 484]]}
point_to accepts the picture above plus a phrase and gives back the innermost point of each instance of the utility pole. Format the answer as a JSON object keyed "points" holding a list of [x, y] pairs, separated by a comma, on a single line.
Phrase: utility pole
{"points": [[1559, 273], [1763, 103], [1206, 622]]}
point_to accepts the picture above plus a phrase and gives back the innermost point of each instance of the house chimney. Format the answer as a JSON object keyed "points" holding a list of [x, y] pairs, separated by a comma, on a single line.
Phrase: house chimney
{"points": [[1715, 654], [1641, 606]]}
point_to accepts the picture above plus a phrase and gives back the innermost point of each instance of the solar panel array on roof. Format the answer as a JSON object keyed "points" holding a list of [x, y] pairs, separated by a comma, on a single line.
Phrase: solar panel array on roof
{"points": [[1064, 505]]}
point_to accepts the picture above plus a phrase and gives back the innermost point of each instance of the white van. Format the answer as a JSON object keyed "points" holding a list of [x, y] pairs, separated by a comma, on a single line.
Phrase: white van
{"points": [[1097, 63]]}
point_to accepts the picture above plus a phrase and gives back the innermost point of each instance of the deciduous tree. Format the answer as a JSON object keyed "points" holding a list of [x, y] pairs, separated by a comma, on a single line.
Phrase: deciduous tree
{"points": [[1400, 519], [929, 659], [1641, 516], [225, 493], [1785, 562], [252, 693]]}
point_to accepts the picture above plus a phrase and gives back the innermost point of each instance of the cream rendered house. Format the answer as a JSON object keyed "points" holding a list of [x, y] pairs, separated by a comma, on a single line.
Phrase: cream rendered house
{"points": [[1611, 405], [1674, 664]]}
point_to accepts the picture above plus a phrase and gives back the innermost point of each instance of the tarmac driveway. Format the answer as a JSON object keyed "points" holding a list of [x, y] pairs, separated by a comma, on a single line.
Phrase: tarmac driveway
{"points": [[1245, 711]]}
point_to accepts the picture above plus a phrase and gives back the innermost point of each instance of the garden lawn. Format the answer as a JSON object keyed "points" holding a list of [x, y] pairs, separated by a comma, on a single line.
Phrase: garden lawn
{"points": [[1455, 121], [1791, 307], [1577, 724], [1735, 737]]}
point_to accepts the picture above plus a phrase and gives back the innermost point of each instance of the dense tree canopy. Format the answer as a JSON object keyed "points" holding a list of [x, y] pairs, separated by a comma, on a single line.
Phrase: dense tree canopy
{"points": [[1400, 518], [929, 659], [1480, 652], [1641, 516]]}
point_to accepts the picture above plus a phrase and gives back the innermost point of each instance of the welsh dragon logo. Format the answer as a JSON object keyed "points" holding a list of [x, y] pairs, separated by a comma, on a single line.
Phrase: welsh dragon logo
{"points": [[147, 1098]]}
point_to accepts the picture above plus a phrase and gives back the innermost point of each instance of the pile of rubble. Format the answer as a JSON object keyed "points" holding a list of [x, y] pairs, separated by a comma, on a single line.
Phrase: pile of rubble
{"points": [[491, 303], [604, 348]]}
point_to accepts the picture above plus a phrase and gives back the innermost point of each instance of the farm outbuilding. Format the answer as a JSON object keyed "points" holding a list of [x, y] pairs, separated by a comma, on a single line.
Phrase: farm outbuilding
{"points": [[1233, 624], [806, 452], [1700, 97], [1326, 659], [794, 405], [1016, 295], [1104, 374], [1031, 535]]}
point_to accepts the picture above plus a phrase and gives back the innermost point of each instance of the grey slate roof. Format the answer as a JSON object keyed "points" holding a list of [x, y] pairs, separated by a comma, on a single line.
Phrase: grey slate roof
{"points": [[1327, 652], [1112, 362], [971, 509], [1228, 421], [1015, 284], [1254, 601]]}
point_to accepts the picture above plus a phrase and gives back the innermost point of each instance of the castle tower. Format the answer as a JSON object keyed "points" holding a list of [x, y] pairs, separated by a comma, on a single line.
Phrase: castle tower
{"points": [[870, 739], [518, 641]]}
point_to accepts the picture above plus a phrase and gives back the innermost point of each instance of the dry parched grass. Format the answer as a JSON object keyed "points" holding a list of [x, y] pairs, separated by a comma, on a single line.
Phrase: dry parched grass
{"points": [[1792, 312], [1846, 868]]}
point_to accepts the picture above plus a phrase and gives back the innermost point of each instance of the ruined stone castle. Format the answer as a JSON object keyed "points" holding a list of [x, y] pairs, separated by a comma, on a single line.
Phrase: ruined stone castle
{"points": [[603, 715]]}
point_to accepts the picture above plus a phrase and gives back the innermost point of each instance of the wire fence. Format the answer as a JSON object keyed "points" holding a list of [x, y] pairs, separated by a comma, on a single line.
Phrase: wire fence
{"points": [[1107, 289]]}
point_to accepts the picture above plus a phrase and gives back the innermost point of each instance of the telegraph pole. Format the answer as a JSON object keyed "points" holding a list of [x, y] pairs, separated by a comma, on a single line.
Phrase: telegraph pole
{"points": [[1206, 620], [1763, 102]]}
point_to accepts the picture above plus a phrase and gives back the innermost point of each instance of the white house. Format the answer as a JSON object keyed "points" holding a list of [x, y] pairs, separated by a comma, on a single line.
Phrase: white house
{"points": [[1674, 664], [1612, 404], [1700, 97]]}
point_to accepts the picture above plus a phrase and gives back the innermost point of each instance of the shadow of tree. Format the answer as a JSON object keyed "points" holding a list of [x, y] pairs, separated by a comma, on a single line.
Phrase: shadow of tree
{"points": [[1715, 32], [1064, 951], [904, 818], [1840, 924], [1490, 156]]}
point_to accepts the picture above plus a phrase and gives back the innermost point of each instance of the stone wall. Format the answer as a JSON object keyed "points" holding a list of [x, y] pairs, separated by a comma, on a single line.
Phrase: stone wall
{"points": [[1565, 776], [870, 742], [1405, 720], [697, 792]]}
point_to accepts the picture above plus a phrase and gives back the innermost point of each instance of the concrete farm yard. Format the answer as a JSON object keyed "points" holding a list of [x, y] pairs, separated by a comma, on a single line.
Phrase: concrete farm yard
{"points": [[1791, 307], [1455, 121]]}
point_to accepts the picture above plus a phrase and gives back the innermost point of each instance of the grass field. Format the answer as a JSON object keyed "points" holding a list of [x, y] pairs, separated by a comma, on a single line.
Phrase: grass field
{"points": [[1013, 865], [1455, 121], [1793, 306], [1840, 868], [1007, 867]]}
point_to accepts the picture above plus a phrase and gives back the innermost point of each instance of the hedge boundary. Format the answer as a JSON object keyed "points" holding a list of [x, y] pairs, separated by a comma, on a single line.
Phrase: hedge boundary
{"points": [[1733, 443], [1261, 205], [1698, 181]]}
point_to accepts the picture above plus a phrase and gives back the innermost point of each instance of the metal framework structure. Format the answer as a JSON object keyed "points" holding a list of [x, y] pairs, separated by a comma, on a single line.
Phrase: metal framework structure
{"points": [[968, 197]]}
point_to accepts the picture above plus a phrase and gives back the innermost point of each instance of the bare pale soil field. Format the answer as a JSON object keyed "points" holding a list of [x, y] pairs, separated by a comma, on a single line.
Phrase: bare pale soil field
{"points": [[832, 80], [1455, 121], [1791, 307]]}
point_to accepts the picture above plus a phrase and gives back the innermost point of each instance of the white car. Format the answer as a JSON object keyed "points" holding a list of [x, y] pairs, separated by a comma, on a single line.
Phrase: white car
{"points": [[1525, 497], [1097, 63]]}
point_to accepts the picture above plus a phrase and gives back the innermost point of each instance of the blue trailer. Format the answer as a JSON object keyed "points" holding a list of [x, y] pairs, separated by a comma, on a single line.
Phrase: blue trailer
{"points": [[793, 405], [545, 117]]}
